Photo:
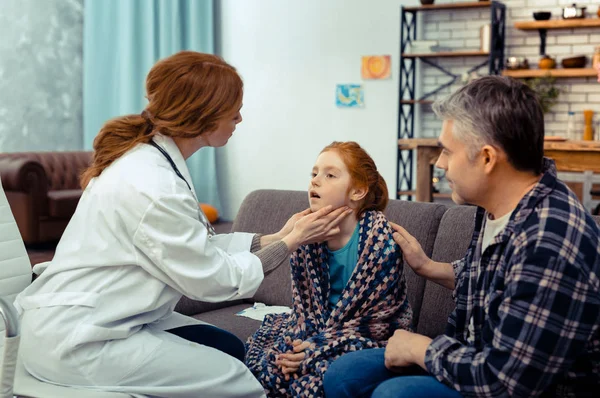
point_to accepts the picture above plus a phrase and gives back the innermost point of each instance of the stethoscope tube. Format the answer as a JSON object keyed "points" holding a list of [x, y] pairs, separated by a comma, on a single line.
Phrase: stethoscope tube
{"points": [[203, 219]]}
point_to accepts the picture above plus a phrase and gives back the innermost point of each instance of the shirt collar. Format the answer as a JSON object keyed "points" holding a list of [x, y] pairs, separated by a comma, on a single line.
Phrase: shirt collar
{"points": [[526, 205], [542, 189]]}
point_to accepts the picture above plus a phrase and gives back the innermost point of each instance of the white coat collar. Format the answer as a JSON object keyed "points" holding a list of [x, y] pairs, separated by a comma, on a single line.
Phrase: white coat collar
{"points": [[172, 149]]}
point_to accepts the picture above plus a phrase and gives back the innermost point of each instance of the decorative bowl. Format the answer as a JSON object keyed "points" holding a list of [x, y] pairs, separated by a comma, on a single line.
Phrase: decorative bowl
{"points": [[574, 62], [514, 63], [547, 62], [542, 15]]}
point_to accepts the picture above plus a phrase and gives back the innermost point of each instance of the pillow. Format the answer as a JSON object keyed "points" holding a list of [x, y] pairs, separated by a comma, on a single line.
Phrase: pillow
{"points": [[210, 212]]}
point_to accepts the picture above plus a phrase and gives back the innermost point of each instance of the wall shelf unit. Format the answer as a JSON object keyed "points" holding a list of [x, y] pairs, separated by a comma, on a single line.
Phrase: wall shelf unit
{"points": [[408, 62], [566, 72], [559, 24], [543, 26], [451, 6], [446, 54]]}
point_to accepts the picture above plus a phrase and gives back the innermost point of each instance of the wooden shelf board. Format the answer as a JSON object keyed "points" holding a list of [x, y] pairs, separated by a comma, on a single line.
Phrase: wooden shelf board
{"points": [[573, 145], [559, 24], [447, 54], [424, 102], [566, 72], [451, 6]]}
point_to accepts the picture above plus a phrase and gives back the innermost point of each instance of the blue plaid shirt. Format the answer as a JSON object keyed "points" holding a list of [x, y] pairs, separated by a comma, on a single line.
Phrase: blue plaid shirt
{"points": [[535, 304]]}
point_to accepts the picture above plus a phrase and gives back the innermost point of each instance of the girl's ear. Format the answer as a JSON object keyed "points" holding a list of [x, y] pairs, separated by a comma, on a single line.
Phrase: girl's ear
{"points": [[357, 194]]}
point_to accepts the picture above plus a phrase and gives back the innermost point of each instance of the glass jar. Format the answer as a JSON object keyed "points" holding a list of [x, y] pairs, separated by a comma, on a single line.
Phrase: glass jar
{"points": [[596, 57], [588, 128], [571, 132]]}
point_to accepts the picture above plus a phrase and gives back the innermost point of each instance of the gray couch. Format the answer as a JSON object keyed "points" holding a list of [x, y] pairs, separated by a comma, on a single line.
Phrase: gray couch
{"points": [[444, 232]]}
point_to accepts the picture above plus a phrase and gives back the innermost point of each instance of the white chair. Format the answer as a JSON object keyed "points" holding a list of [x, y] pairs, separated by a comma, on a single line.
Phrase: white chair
{"points": [[15, 275]]}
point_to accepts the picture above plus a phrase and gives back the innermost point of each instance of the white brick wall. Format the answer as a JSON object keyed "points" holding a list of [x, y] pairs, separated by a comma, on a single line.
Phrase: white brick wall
{"points": [[459, 29]]}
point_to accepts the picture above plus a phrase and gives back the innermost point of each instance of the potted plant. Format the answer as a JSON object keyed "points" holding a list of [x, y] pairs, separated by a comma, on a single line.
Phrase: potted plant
{"points": [[546, 90]]}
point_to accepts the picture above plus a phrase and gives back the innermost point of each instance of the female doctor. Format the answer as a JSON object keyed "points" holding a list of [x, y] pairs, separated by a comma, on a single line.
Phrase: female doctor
{"points": [[100, 315]]}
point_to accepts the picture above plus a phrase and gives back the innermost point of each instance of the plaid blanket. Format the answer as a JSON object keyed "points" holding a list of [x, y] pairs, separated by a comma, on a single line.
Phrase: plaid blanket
{"points": [[372, 306]]}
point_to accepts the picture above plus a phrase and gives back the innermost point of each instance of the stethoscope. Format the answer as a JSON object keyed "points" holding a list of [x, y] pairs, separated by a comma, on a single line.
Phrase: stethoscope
{"points": [[202, 216]]}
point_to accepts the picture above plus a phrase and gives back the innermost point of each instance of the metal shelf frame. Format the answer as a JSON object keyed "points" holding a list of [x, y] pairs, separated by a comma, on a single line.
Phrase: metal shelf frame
{"points": [[407, 76]]}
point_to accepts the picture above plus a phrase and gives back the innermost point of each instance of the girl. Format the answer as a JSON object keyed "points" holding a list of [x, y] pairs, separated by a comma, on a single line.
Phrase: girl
{"points": [[101, 315], [349, 293]]}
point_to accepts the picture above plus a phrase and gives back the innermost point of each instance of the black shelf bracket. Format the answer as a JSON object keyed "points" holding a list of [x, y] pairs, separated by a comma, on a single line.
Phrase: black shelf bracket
{"points": [[543, 34]]}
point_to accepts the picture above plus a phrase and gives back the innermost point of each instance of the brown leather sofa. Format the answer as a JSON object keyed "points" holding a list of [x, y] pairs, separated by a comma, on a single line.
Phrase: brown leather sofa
{"points": [[43, 191]]}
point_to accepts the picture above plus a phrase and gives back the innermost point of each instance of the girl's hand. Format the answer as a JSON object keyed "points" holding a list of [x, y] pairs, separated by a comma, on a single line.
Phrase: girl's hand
{"points": [[290, 361]]}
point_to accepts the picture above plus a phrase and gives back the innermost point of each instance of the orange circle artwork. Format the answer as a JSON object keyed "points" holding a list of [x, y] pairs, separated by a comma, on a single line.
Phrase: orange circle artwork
{"points": [[376, 67]]}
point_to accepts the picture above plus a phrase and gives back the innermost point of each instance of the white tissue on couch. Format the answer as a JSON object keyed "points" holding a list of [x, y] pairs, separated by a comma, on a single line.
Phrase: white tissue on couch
{"points": [[259, 310]]}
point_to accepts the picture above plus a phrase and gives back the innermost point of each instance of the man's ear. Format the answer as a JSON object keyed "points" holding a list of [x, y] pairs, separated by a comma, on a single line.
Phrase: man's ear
{"points": [[357, 194], [490, 156]]}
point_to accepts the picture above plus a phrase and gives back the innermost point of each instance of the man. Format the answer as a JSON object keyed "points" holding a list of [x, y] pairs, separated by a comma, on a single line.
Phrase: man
{"points": [[526, 321]]}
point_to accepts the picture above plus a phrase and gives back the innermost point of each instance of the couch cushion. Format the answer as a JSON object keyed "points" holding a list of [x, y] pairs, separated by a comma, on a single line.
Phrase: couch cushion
{"points": [[225, 318], [62, 204], [451, 243], [265, 212], [51, 229], [421, 220]]}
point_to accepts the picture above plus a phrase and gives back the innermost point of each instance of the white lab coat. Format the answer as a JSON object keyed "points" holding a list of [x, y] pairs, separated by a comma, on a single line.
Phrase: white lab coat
{"points": [[97, 315]]}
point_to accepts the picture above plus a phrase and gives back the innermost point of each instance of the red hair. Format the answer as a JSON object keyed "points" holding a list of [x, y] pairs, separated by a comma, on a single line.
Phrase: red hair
{"points": [[188, 94], [363, 173]]}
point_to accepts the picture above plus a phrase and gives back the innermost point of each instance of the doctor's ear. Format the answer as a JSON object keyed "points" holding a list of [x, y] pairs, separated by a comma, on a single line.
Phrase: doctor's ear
{"points": [[357, 194]]}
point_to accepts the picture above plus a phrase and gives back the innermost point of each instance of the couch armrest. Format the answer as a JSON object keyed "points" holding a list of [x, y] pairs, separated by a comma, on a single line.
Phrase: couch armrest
{"points": [[23, 174], [26, 185], [64, 168]]}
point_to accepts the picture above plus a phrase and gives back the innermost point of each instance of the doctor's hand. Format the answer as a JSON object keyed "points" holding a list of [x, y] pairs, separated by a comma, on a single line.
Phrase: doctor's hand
{"points": [[316, 227], [289, 225]]}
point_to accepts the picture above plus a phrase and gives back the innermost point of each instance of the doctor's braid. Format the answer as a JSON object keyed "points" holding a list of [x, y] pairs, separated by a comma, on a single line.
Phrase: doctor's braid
{"points": [[363, 173], [188, 93]]}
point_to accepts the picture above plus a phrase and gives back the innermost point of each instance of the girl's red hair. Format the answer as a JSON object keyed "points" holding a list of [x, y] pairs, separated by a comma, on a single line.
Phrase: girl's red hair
{"points": [[363, 173]]}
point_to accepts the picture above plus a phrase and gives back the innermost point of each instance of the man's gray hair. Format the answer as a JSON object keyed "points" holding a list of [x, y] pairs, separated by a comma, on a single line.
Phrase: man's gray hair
{"points": [[465, 112], [498, 111]]}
